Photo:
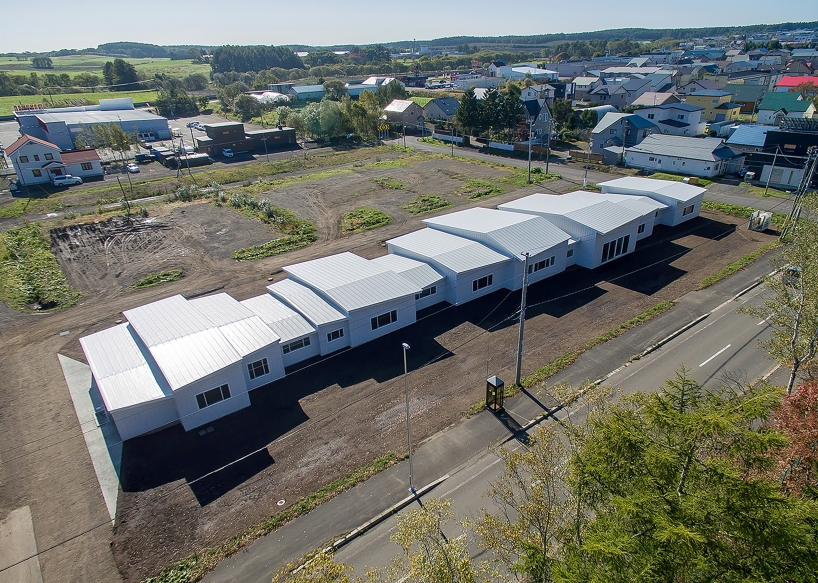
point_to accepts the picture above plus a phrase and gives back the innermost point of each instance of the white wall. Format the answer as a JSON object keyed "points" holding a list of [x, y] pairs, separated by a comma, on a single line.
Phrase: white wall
{"points": [[705, 169], [75, 168], [325, 345], [189, 413], [146, 417], [678, 210], [275, 364], [627, 231], [558, 252], [432, 299], [300, 354], [360, 321], [502, 277], [782, 177], [24, 170]]}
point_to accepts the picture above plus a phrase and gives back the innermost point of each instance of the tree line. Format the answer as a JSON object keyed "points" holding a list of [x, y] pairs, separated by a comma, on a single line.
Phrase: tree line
{"points": [[253, 58]]}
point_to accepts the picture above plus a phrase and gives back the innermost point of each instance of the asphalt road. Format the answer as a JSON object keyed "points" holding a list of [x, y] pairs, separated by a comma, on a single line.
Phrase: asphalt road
{"points": [[460, 451], [726, 343]]}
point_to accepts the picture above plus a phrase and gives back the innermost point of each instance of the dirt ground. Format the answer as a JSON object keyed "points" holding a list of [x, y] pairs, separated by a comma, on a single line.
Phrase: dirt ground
{"points": [[326, 418]]}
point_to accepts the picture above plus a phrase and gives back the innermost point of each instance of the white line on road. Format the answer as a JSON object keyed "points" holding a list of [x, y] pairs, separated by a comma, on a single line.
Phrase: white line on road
{"points": [[715, 355]]}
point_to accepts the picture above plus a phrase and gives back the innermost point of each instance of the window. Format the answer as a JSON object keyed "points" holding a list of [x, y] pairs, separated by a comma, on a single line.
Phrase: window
{"points": [[547, 262], [23, 159], [49, 156], [613, 131], [616, 248], [656, 214], [86, 166], [335, 335], [680, 117], [786, 147], [384, 319], [651, 159], [429, 291], [651, 115], [482, 282], [641, 229], [213, 396], [570, 253], [288, 348], [36, 173], [687, 210], [258, 368]]}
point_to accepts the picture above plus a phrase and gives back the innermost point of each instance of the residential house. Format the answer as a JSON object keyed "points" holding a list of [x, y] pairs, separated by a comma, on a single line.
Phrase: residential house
{"points": [[682, 202], [698, 86], [582, 87], [782, 161], [37, 161], [441, 108], [620, 129], [494, 66], [405, 112], [651, 98], [717, 104], [747, 96], [748, 138], [790, 82], [543, 91], [678, 119], [618, 71], [800, 67], [370, 84], [539, 119], [705, 157], [775, 106]]}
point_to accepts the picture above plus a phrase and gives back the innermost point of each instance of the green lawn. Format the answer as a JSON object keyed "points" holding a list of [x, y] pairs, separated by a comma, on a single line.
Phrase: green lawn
{"points": [[65, 99], [75, 64]]}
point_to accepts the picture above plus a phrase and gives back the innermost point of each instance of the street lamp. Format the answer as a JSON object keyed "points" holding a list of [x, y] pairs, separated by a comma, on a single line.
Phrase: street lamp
{"points": [[408, 422]]}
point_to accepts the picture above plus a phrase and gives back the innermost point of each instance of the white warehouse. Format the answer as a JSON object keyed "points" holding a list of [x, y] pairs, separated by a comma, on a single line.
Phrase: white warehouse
{"points": [[193, 361]]}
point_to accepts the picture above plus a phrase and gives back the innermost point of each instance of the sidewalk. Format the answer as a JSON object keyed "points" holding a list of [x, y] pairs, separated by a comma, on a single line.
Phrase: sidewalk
{"points": [[448, 451]]}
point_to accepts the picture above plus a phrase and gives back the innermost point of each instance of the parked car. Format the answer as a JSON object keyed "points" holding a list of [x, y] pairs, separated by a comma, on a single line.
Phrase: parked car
{"points": [[791, 274], [65, 180], [132, 168], [143, 158], [227, 152], [192, 124]]}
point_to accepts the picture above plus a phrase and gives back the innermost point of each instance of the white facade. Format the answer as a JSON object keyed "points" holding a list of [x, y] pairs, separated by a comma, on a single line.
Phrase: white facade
{"points": [[677, 120], [471, 269], [299, 338], [684, 201], [432, 285], [29, 156]]}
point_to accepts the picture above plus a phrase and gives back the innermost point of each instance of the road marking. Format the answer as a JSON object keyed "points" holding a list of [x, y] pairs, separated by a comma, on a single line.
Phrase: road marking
{"points": [[715, 355], [764, 321]]}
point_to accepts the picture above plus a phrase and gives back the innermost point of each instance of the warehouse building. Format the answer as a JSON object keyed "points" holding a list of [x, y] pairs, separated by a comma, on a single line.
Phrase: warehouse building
{"points": [[375, 301], [233, 135], [511, 234], [471, 269], [432, 285], [299, 338], [179, 360], [602, 231], [684, 201], [61, 126]]}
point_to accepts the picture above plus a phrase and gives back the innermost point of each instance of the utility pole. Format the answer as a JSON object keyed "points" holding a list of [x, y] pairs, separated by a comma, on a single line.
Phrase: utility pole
{"points": [[775, 157], [791, 222], [522, 321], [548, 141], [530, 126], [452, 140], [587, 163]]}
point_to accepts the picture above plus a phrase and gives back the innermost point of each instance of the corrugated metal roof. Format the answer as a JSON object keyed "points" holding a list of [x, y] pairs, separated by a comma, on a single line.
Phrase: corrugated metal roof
{"points": [[604, 216], [549, 203], [706, 149], [514, 233], [242, 328], [284, 321], [400, 105], [312, 306], [183, 341], [749, 135], [642, 204], [455, 253], [416, 272], [350, 281], [121, 368], [647, 186]]}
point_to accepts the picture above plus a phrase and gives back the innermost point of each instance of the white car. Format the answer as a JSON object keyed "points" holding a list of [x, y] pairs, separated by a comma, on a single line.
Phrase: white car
{"points": [[227, 152], [132, 168], [65, 180]]}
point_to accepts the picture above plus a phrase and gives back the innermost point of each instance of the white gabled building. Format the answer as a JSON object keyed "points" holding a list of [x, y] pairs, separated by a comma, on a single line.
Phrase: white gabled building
{"points": [[331, 325], [37, 161], [375, 301], [432, 285], [299, 338], [683, 201], [511, 234], [470, 268], [601, 231]]}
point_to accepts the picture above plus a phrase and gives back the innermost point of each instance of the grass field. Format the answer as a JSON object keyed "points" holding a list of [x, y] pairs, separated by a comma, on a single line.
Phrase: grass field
{"points": [[66, 99], [75, 64]]}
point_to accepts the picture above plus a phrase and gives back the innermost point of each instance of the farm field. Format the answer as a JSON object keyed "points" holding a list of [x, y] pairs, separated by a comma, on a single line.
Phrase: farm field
{"points": [[313, 426], [75, 64], [8, 102]]}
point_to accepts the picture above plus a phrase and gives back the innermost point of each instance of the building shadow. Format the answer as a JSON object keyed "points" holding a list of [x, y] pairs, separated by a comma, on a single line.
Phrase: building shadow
{"points": [[214, 485]]}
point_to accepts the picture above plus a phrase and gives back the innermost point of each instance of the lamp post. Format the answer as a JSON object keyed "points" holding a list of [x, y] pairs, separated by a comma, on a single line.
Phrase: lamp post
{"points": [[408, 422], [587, 163]]}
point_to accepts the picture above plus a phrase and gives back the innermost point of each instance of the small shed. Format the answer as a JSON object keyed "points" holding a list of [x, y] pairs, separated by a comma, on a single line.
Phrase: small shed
{"points": [[511, 234], [471, 269], [684, 201], [404, 111]]}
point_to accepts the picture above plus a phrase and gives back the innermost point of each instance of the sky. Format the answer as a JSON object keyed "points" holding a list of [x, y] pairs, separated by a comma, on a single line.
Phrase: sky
{"points": [[88, 23]]}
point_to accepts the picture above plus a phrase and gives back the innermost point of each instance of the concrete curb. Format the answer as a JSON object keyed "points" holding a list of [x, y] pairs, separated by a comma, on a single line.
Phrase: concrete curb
{"points": [[385, 514]]}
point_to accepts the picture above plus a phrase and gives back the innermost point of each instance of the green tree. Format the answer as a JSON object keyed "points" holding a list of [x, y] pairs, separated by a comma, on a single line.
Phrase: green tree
{"points": [[336, 88], [247, 107], [122, 74], [42, 63], [468, 113], [562, 112], [673, 482], [489, 108], [792, 306], [109, 136], [588, 118]]}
